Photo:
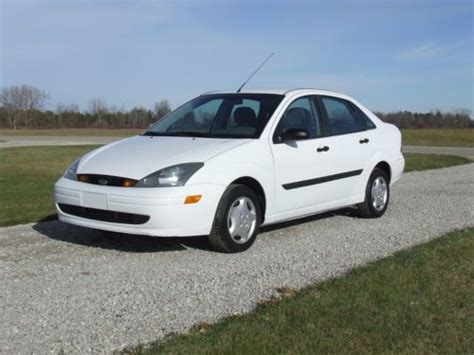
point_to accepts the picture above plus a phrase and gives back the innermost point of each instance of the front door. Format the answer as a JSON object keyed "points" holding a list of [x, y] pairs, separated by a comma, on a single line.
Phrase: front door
{"points": [[300, 165]]}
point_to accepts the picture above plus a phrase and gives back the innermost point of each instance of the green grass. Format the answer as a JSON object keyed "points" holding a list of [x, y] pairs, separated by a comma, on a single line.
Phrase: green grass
{"points": [[97, 132], [417, 301], [439, 137], [27, 176], [419, 162]]}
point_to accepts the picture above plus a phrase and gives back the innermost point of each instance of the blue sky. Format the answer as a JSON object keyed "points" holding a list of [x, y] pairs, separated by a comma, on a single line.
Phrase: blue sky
{"points": [[390, 55]]}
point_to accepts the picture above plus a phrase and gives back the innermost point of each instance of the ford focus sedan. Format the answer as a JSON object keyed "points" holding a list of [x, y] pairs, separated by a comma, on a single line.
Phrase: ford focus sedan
{"points": [[224, 164]]}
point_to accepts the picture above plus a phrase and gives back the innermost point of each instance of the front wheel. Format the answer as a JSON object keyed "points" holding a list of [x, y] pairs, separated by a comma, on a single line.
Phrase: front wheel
{"points": [[237, 220], [377, 195]]}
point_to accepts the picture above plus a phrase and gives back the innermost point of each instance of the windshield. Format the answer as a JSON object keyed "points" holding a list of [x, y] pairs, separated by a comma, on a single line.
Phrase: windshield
{"points": [[219, 116]]}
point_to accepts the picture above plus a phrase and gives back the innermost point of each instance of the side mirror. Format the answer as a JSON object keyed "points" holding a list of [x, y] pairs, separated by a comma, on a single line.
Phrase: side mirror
{"points": [[294, 134]]}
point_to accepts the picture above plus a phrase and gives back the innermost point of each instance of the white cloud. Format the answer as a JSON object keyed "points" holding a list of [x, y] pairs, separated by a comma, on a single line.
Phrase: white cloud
{"points": [[431, 50]]}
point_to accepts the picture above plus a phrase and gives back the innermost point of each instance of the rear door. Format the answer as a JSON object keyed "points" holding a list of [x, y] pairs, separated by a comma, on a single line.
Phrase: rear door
{"points": [[350, 145]]}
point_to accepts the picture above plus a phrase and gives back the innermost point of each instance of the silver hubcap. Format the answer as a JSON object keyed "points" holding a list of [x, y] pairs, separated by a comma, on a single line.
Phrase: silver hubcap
{"points": [[241, 220], [379, 193]]}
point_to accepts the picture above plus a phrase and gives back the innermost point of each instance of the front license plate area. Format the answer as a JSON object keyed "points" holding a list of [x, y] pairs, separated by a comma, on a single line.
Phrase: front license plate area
{"points": [[93, 200]]}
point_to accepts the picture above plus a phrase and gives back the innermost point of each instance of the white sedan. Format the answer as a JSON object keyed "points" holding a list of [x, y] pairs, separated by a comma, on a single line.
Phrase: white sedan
{"points": [[224, 164]]}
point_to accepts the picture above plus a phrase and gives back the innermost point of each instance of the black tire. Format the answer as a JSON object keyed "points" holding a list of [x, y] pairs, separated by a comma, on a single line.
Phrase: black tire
{"points": [[220, 238], [366, 208]]}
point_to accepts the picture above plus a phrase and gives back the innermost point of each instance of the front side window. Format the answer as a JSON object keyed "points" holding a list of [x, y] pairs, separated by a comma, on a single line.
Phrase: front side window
{"points": [[341, 118], [248, 109], [219, 116], [301, 114]]}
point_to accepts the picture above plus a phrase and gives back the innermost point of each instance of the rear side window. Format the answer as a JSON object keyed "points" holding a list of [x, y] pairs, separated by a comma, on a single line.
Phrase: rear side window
{"points": [[365, 119], [300, 114], [341, 117]]}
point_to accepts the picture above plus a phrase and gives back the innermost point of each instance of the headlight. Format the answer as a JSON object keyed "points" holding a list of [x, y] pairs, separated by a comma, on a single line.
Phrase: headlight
{"points": [[70, 172], [176, 175]]}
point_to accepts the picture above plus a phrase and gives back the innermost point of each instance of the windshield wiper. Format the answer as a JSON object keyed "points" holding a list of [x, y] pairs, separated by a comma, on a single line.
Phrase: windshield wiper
{"points": [[152, 134], [177, 134], [188, 134]]}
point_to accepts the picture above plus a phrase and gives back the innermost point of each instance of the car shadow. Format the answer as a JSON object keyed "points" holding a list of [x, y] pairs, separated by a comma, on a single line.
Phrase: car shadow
{"points": [[117, 241], [131, 243], [347, 212]]}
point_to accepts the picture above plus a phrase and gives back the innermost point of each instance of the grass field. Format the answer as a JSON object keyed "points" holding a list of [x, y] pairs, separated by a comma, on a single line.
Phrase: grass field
{"points": [[27, 176], [419, 301], [439, 137], [428, 137], [419, 162]]}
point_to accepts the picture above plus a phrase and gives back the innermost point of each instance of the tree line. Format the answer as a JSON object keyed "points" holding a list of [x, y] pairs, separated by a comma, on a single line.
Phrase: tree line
{"points": [[435, 119], [24, 106]]}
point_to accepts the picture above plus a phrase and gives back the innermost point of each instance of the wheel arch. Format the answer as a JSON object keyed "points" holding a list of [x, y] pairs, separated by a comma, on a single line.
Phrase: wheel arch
{"points": [[385, 167], [254, 185]]}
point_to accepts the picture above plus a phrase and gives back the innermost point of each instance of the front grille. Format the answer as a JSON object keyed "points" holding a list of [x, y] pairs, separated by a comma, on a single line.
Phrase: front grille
{"points": [[106, 180], [104, 215]]}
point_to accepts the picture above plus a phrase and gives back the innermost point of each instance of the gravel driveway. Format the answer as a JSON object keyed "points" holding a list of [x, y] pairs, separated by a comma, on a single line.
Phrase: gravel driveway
{"points": [[69, 288], [467, 152]]}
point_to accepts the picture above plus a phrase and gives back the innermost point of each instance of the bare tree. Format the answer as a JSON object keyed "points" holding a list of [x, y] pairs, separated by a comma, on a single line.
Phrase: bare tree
{"points": [[18, 99], [60, 108], [162, 108], [98, 108], [23, 97], [63, 110], [113, 109], [138, 116]]}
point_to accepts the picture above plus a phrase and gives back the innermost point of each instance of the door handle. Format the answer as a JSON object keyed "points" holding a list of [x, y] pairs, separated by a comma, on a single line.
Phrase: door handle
{"points": [[365, 140], [322, 149]]}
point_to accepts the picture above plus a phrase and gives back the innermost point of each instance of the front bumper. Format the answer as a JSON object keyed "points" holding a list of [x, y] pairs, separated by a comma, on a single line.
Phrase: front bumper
{"points": [[169, 216]]}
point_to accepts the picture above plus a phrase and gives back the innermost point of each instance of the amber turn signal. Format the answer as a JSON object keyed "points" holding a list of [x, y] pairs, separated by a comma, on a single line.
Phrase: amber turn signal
{"points": [[83, 178], [128, 183], [192, 199]]}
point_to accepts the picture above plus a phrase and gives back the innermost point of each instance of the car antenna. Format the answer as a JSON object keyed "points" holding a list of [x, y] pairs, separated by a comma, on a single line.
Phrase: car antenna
{"points": [[255, 72]]}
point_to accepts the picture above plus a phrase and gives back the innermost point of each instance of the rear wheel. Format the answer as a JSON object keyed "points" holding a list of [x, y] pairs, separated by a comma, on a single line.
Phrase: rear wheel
{"points": [[377, 195], [237, 220]]}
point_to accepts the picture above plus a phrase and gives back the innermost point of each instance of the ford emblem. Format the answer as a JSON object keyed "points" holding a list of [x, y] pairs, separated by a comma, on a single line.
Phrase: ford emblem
{"points": [[103, 181]]}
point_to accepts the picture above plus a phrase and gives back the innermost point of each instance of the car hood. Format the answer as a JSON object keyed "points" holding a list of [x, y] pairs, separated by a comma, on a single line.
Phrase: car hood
{"points": [[139, 156]]}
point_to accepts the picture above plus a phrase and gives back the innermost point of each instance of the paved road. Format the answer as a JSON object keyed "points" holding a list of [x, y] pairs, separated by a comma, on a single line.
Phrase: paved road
{"points": [[23, 141], [64, 287], [460, 151]]}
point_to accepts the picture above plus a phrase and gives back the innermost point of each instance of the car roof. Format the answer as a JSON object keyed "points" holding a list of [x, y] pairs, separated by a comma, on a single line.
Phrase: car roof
{"points": [[298, 91]]}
